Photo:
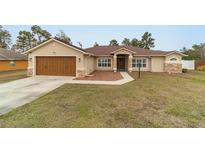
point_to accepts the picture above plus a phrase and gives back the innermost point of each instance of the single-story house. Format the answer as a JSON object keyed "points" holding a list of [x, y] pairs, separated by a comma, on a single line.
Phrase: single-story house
{"points": [[54, 57], [11, 60]]}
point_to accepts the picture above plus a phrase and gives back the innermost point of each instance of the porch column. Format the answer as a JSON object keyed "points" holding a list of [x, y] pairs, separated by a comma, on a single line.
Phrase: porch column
{"points": [[115, 63], [130, 63]]}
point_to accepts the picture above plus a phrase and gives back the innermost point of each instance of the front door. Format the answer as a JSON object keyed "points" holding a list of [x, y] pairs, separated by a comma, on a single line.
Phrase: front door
{"points": [[121, 63]]}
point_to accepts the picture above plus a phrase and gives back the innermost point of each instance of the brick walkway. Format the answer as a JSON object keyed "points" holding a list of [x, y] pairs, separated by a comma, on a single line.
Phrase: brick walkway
{"points": [[102, 76]]}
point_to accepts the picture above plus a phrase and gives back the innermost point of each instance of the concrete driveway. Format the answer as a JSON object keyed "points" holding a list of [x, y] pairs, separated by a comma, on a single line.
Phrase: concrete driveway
{"points": [[17, 93]]}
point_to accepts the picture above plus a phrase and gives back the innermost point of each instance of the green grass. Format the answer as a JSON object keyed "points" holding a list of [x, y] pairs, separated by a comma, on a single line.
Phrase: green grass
{"points": [[7, 76], [155, 100]]}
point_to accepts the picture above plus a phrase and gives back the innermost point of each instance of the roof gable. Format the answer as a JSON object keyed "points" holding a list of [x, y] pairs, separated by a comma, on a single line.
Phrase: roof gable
{"points": [[60, 42], [175, 52], [123, 48]]}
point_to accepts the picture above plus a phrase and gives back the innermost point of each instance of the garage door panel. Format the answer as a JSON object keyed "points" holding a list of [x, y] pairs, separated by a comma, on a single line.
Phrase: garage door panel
{"points": [[60, 66]]}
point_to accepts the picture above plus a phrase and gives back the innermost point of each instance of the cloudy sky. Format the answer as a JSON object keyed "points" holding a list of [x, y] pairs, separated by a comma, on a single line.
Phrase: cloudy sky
{"points": [[167, 37]]}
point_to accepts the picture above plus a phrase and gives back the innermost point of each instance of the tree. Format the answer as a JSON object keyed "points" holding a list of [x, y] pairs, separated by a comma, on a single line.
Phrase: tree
{"points": [[5, 38], [14, 47], [63, 37], [147, 40], [96, 44], [31, 41], [21, 41], [126, 42], [197, 52], [113, 42], [37, 31], [40, 34], [46, 35], [202, 50], [80, 44], [136, 43], [25, 40]]}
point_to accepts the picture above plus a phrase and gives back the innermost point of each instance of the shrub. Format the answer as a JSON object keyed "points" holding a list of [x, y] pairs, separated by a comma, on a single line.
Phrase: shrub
{"points": [[184, 70]]}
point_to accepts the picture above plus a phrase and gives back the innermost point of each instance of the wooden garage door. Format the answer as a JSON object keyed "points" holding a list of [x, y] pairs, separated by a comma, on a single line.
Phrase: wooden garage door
{"points": [[59, 66]]}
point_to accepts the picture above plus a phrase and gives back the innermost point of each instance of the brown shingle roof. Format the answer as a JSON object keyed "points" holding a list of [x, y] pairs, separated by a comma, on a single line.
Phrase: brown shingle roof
{"points": [[107, 50], [11, 55]]}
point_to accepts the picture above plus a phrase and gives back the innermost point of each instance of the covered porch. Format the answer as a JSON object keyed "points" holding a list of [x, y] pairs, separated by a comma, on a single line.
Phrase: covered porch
{"points": [[122, 60]]}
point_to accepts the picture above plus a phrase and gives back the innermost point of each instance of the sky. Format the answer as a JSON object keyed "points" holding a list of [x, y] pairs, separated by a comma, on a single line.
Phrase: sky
{"points": [[167, 38]]}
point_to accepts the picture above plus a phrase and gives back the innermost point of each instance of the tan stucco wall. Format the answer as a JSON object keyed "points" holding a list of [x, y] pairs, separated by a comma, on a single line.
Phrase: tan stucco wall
{"points": [[148, 68], [157, 64], [175, 55], [56, 49], [89, 64]]}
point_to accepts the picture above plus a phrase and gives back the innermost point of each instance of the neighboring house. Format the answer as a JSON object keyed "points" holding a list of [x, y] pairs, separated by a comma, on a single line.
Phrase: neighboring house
{"points": [[11, 60], [54, 57]]}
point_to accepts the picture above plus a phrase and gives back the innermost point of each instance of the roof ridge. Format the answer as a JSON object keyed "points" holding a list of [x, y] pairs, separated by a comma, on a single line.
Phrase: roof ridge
{"points": [[108, 50], [124, 46], [117, 46]]}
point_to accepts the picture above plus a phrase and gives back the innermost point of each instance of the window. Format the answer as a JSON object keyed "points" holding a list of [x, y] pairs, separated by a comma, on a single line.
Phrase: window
{"points": [[104, 62], [173, 59], [136, 62]]}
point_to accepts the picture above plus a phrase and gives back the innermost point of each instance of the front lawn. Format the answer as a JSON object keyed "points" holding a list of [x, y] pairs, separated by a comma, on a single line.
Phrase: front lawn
{"points": [[155, 100], [7, 76]]}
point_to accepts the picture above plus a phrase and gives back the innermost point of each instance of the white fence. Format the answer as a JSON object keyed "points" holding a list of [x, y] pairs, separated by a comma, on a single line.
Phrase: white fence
{"points": [[188, 64]]}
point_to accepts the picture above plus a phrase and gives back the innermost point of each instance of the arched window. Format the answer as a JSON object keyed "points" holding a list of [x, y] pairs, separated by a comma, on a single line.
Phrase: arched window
{"points": [[173, 59]]}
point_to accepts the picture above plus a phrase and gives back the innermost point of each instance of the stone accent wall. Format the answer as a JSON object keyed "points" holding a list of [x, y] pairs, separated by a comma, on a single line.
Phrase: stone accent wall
{"points": [[173, 68]]}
